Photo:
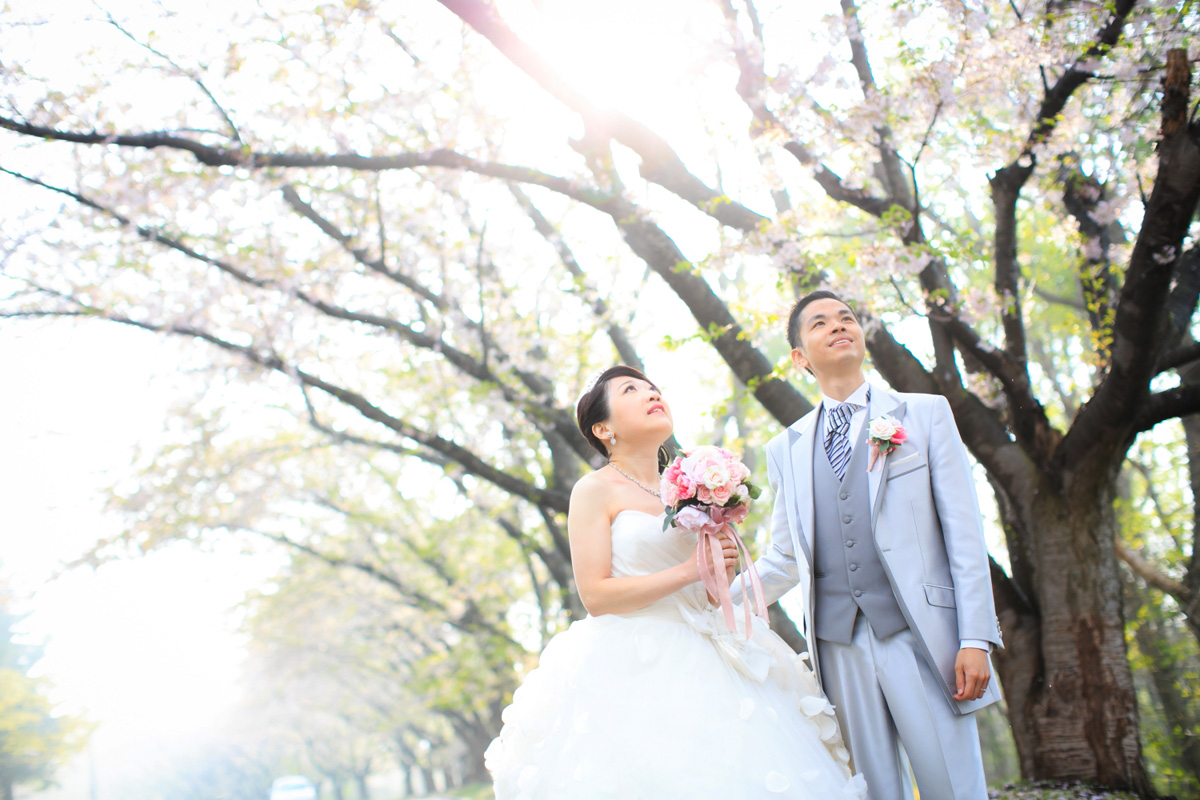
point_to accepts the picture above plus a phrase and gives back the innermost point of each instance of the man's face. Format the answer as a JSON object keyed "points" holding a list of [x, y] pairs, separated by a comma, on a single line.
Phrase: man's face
{"points": [[830, 338]]}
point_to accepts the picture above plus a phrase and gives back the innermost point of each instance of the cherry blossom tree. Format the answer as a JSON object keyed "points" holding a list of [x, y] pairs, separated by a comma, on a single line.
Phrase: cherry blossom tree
{"points": [[424, 235]]}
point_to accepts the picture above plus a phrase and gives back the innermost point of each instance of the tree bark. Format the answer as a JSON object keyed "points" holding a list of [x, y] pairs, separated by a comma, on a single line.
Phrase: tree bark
{"points": [[1071, 697]]}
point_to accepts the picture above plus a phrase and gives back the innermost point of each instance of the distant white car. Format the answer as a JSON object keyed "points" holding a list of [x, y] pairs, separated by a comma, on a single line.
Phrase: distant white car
{"points": [[293, 787]]}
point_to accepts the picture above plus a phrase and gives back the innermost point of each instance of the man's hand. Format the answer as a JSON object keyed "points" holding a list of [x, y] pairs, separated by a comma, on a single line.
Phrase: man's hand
{"points": [[971, 673]]}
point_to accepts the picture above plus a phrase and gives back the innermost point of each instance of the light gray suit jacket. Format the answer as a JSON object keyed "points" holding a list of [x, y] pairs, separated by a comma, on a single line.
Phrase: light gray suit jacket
{"points": [[927, 525]]}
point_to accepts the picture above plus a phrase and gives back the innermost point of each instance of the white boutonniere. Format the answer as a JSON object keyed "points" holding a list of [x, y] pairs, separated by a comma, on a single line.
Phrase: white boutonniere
{"points": [[885, 433]]}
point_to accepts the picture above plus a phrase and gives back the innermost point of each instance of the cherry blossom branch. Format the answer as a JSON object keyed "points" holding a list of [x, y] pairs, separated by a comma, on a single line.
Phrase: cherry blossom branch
{"points": [[191, 75], [377, 265], [468, 460], [1007, 182], [600, 309], [897, 187], [1138, 325], [535, 409], [645, 238], [211, 156], [981, 428], [1083, 196], [660, 163], [556, 423], [726, 335]]}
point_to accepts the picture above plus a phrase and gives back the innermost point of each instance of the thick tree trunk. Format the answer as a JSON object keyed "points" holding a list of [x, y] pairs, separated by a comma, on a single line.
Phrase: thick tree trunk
{"points": [[1066, 673]]}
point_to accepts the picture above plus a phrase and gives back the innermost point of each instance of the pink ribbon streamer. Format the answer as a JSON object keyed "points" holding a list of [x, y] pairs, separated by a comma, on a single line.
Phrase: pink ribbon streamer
{"points": [[711, 541]]}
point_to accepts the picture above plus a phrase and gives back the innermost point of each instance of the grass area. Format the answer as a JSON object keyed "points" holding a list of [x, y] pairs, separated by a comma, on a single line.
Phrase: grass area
{"points": [[1054, 791], [475, 791]]}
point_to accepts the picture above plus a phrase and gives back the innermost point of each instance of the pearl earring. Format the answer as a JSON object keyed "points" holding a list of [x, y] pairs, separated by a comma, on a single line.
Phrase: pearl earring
{"points": [[612, 438]]}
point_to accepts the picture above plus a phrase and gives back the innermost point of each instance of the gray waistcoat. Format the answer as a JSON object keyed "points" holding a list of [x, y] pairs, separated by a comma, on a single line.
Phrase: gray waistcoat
{"points": [[848, 574]]}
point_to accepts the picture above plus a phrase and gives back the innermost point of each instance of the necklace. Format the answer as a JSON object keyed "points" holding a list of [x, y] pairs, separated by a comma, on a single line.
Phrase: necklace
{"points": [[635, 480]]}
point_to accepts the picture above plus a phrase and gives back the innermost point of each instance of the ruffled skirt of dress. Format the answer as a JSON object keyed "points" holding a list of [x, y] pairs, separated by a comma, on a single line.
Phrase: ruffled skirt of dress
{"points": [[669, 705]]}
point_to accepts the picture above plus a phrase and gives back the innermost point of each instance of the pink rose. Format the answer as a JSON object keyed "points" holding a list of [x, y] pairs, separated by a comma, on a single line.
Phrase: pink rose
{"points": [[668, 493], [704, 494], [900, 436], [738, 471], [723, 493], [687, 489]]}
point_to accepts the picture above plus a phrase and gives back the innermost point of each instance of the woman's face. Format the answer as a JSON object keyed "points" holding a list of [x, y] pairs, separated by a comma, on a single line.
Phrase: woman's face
{"points": [[636, 410]]}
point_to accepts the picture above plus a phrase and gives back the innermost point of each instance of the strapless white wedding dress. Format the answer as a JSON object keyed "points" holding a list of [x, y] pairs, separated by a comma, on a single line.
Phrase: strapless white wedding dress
{"points": [[665, 703]]}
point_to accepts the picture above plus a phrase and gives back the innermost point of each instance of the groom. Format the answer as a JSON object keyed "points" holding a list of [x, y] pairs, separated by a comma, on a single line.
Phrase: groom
{"points": [[890, 556]]}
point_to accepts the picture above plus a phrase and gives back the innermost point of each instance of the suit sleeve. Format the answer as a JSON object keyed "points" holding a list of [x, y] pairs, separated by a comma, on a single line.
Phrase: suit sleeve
{"points": [[777, 566], [962, 527]]}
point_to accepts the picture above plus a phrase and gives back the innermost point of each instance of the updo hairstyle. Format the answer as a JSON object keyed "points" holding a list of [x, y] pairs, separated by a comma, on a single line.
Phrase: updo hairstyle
{"points": [[593, 408]]}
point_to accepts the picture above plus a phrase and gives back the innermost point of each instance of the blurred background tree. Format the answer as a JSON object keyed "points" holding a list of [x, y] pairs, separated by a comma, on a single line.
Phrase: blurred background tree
{"points": [[35, 738]]}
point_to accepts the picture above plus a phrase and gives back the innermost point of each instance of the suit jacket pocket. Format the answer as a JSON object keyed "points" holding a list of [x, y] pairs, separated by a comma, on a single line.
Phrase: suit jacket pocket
{"points": [[905, 465], [940, 595]]}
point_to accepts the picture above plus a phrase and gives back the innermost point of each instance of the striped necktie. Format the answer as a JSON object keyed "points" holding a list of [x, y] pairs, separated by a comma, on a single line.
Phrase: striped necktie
{"points": [[837, 443]]}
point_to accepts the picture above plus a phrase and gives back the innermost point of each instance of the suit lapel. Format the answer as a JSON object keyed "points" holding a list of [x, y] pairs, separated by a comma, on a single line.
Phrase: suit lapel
{"points": [[881, 403], [802, 435]]}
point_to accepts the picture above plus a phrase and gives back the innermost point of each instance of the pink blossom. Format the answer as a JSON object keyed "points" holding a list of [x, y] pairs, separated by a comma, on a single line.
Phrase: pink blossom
{"points": [[704, 494], [900, 436], [722, 493]]}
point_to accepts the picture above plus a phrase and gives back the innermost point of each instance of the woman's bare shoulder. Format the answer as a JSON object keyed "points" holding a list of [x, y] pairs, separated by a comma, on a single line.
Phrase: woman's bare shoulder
{"points": [[592, 489]]}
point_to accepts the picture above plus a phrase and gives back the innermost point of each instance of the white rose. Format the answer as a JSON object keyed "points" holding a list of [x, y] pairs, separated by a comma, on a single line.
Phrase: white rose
{"points": [[883, 428], [716, 474]]}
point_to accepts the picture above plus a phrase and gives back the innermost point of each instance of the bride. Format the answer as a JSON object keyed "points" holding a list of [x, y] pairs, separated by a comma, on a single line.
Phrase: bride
{"points": [[651, 696]]}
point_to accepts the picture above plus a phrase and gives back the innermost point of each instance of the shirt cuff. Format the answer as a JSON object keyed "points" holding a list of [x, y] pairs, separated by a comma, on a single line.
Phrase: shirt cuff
{"points": [[976, 643]]}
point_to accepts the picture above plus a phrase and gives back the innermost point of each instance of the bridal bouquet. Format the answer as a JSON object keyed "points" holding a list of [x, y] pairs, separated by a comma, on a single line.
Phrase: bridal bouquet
{"points": [[707, 490]]}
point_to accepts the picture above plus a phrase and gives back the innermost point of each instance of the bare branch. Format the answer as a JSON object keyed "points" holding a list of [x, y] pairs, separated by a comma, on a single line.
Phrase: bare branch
{"points": [[1179, 357], [1146, 571], [1180, 401]]}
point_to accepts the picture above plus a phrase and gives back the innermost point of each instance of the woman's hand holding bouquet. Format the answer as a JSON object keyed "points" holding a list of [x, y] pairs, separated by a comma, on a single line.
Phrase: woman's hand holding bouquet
{"points": [[707, 490]]}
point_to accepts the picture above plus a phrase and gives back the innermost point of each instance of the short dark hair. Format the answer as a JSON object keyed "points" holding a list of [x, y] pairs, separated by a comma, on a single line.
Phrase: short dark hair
{"points": [[793, 327]]}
